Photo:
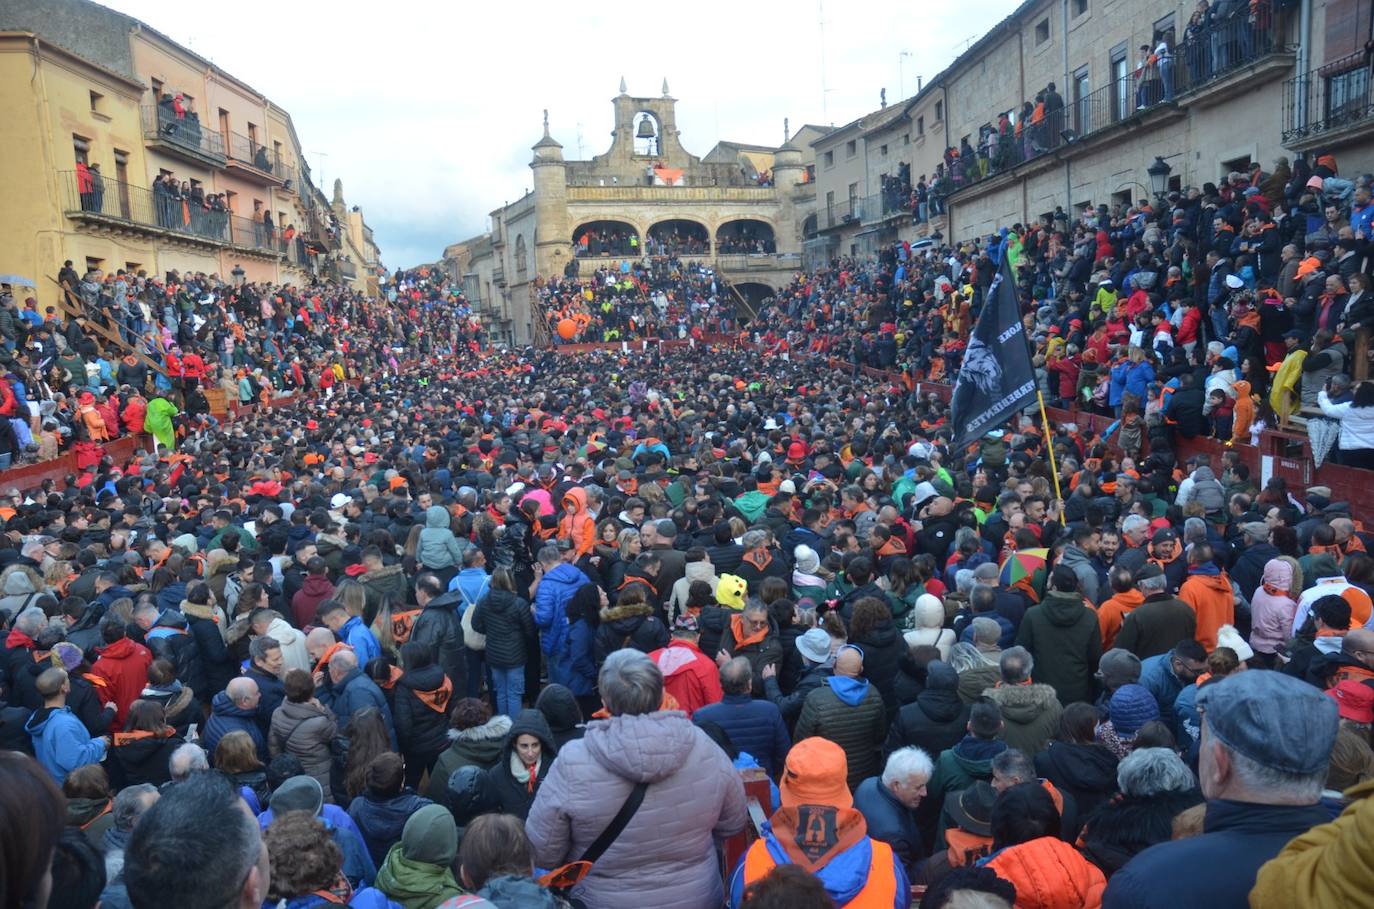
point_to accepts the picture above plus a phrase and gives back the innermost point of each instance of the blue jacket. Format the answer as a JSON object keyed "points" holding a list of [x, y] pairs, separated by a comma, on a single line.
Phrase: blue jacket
{"points": [[381, 822], [354, 692], [843, 876], [1217, 868], [358, 866], [367, 898], [356, 635], [61, 743], [472, 583], [550, 602], [753, 726], [226, 717], [1157, 674], [889, 820], [576, 665]]}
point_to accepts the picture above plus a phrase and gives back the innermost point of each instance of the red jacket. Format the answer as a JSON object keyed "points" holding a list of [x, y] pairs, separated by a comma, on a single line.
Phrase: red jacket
{"points": [[689, 675], [1187, 329], [124, 665]]}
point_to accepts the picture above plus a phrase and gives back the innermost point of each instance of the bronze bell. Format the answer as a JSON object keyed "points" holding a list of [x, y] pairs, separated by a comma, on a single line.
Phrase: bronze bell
{"points": [[646, 129]]}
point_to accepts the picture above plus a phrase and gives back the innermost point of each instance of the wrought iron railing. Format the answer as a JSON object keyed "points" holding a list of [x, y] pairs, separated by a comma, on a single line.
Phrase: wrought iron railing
{"points": [[97, 196], [188, 133], [246, 150], [1335, 96]]}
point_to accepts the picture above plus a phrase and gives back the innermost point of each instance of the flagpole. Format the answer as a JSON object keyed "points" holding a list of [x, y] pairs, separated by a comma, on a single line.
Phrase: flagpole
{"points": [[1049, 445]]}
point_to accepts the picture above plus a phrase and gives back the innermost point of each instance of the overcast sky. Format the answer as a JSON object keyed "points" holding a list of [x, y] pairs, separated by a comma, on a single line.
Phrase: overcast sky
{"points": [[430, 109]]}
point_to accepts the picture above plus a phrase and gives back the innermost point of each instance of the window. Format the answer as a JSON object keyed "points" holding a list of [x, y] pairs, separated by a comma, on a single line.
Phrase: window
{"points": [[224, 124], [853, 194], [96, 103], [81, 149], [906, 138], [1239, 165], [939, 111], [830, 159], [133, 268], [1081, 91], [1078, 7], [920, 126], [253, 135], [231, 200], [882, 150], [1122, 198], [1346, 96], [851, 148], [1121, 82], [830, 202], [1042, 31], [95, 263], [157, 88], [810, 174], [1162, 26]]}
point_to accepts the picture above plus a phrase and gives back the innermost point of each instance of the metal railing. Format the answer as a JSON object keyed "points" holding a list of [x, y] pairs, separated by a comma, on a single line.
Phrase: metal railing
{"points": [[111, 199], [1333, 97], [1208, 56], [187, 133], [246, 150]]}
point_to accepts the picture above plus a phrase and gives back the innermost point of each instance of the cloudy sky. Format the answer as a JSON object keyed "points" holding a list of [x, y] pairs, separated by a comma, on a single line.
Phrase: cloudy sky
{"points": [[432, 108]]}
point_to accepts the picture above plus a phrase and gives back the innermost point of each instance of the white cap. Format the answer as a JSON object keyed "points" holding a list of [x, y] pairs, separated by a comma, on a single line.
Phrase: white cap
{"points": [[919, 450], [1234, 282], [339, 500]]}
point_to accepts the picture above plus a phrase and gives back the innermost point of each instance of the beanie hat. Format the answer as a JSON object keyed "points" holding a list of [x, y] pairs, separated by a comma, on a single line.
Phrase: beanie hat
{"points": [[1132, 706], [1228, 636], [65, 655], [806, 559], [299, 793], [815, 774], [430, 836]]}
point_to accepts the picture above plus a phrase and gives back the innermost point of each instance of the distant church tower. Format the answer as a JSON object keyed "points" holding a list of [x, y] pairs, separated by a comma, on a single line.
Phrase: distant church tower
{"points": [[552, 240]]}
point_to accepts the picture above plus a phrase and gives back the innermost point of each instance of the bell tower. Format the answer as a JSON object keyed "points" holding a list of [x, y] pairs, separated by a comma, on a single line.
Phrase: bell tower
{"points": [[552, 238]]}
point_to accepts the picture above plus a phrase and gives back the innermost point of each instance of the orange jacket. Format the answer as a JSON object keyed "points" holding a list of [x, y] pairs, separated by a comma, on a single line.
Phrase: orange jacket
{"points": [[576, 524], [1243, 415], [1048, 873], [1111, 615], [1211, 598]]}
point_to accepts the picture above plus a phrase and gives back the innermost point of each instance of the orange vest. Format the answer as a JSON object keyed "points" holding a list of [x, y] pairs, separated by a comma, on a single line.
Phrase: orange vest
{"points": [[880, 892]]}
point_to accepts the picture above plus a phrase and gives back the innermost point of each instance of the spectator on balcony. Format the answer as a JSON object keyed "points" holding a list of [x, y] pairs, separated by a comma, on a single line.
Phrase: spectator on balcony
{"points": [[1164, 59]]}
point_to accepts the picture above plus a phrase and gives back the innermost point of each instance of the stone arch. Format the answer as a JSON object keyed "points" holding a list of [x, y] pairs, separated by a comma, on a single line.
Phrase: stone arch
{"points": [[746, 233], [754, 291], [594, 237], [680, 235]]}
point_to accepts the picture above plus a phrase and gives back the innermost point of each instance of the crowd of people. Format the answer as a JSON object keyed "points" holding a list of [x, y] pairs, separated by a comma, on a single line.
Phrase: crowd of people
{"points": [[1219, 36], [456, 626]]}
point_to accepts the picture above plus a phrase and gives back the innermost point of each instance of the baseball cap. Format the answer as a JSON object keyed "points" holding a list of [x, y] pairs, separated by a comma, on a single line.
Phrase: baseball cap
{"points": [[1354, 701], [1276, 720], [815, 774]]}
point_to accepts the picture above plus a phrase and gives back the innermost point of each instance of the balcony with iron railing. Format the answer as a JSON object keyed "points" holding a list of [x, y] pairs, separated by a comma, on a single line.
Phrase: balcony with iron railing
{"points": [[112, 202], [1227, 57], [1329, 105], [186, 137], [255, 161]]}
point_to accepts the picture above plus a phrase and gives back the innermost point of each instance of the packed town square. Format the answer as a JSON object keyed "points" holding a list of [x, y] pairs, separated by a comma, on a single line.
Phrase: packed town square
{"points": [[815, 554]]}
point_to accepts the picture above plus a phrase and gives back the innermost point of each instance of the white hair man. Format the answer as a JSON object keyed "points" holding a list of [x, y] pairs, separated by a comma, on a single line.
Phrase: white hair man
{"points": [[888, 802]]}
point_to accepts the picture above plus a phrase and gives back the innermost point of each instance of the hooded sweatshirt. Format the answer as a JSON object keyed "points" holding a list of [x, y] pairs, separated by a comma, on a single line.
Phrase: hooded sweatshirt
{"points": [[416, 871], [1208, 592], [577, 524], [1063, 636], [438, 548]]}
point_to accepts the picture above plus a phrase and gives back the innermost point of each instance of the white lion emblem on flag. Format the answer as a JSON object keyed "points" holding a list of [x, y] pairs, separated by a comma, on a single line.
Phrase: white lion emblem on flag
{"points": [[981, 366]]}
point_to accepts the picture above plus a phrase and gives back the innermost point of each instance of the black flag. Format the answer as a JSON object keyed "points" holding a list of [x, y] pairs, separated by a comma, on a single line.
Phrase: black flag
{"points": [[996, 378]]}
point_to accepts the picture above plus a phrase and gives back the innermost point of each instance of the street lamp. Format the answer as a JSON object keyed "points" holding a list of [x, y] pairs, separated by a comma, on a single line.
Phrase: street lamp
{"points": [[1159, 175]]}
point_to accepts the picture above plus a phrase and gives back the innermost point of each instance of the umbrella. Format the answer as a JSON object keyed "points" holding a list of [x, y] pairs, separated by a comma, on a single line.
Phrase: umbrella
{"points": [[1025, 569], [1322, 434]]}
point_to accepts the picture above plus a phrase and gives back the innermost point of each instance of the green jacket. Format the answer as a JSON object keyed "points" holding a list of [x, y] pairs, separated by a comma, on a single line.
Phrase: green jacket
{"points": [[415, 885], [1063, 636], [752, 505]]}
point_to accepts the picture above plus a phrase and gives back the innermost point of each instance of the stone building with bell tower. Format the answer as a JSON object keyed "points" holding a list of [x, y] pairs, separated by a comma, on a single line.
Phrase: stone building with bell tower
{"points": [[741, 208]]}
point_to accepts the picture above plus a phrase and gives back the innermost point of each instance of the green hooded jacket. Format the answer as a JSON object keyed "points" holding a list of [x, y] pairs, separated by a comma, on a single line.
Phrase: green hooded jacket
{"points": [[415, 885]]}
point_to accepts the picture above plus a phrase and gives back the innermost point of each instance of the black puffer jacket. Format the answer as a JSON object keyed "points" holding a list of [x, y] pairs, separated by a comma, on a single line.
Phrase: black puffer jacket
{"points": [[714, 620], [421, 711], [936, 720], [633, 625], [440, 626], [507, 622], [1085, 771], [883, 649], [138, 758]]}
